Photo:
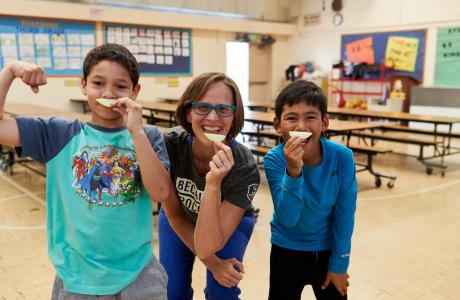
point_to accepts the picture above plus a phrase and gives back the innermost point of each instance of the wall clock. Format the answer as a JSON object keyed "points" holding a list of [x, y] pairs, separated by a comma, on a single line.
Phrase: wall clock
{"points": [[337, 19]]}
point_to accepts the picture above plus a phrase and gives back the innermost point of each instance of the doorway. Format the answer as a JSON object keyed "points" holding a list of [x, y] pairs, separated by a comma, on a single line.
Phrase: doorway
{"points": [[238, 66]]}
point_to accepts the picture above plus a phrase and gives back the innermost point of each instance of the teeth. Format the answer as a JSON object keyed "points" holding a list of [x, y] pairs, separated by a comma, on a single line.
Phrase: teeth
{"points": [[211, 129]]}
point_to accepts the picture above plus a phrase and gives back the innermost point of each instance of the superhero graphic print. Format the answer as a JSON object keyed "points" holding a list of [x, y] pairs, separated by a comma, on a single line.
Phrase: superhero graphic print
{"points": [[106, 175]]}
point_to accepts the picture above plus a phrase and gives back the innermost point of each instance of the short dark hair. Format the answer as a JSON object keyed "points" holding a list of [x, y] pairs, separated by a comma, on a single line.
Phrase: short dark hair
{"points": [[112, 52], [195, 92], [301, 91]]}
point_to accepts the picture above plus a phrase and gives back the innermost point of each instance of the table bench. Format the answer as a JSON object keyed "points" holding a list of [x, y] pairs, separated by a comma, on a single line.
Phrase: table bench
{"points": [[439, 150], [404, 128], [370, 152]]}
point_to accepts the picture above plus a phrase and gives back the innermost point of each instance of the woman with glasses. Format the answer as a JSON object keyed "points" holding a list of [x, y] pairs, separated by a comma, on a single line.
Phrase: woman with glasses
{"points": [[210, 213]]}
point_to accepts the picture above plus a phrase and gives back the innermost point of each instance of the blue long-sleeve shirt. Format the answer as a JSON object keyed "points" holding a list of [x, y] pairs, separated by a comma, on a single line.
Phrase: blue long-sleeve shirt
{"points": [[315, 211]]}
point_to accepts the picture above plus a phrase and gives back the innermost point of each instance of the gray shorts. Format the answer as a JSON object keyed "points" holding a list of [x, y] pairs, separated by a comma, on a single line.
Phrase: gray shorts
{"points": [[150, 285]]}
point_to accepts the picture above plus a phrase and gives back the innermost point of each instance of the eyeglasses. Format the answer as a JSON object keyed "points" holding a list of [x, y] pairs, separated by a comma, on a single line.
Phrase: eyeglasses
{"points": [[223, 110]]}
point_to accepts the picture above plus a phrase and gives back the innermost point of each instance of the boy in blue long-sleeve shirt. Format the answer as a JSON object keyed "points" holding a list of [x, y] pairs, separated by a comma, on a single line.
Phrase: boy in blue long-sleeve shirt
{"points": [[314, 190]]}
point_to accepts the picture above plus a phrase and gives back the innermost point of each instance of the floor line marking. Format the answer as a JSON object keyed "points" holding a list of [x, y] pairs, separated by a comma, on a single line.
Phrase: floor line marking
{"points": [[22, 227], [417, 192], [18, 196], [22, 189]]}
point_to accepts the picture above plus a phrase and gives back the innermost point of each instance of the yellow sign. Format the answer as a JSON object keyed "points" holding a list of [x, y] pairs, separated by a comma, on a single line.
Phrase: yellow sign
{"points": [[173, 81], [160, 80], [401, 53], [71, 82]]}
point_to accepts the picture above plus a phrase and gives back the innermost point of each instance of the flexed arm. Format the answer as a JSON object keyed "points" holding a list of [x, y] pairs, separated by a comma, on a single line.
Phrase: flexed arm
{"points": [[32, 75], [216, 220], [222, 269]]}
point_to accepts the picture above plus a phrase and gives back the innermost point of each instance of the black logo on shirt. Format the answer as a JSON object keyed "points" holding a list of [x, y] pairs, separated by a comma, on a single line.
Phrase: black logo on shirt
{"points": [[252, 190]]}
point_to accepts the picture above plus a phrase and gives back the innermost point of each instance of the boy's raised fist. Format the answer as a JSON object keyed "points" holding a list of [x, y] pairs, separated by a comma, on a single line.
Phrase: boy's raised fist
{"points": [[31, 74]]}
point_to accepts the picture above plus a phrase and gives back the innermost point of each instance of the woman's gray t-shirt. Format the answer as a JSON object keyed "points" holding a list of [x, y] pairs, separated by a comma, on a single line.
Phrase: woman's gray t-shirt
{"points": [[238, 187]]}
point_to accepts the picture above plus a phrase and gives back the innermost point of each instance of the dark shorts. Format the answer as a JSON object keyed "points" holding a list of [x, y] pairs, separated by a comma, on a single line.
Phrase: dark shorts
{"points": [[292, 270]]}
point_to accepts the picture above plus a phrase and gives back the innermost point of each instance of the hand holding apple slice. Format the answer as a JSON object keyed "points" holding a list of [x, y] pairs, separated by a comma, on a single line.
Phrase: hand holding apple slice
{"points": [[301, 134], [107, 102], [213, 137]]}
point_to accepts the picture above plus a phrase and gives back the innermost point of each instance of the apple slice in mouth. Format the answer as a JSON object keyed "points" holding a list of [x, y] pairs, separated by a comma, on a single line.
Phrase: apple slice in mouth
{"points": [[215, 137], [301, 134], [107, 102]]}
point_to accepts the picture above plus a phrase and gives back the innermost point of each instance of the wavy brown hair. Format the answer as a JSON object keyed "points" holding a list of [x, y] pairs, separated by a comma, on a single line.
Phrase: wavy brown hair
{"points": [[196, 91]]}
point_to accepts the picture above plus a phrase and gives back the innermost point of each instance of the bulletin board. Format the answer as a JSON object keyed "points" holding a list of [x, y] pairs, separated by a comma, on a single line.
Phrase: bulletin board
{"points": [[403, 51], [447, 57], [59, 47], [159, 51]]}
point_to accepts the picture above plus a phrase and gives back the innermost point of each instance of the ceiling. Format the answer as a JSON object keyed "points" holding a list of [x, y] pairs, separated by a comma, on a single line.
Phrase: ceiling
{"points": [[266, 10]]}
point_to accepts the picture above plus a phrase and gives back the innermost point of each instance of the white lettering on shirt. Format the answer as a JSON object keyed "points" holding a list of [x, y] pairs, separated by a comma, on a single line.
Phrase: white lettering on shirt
{"points": [[189, 195]]}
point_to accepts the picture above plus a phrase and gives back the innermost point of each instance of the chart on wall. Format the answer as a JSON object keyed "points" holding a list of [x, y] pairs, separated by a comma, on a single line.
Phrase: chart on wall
{"points": [[59, 47], [447, 57], [401, 51], [163, 51]]}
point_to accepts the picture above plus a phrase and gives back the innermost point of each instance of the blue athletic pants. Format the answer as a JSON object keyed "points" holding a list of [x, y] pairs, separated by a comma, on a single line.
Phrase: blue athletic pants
{"points": [[178, 261]]}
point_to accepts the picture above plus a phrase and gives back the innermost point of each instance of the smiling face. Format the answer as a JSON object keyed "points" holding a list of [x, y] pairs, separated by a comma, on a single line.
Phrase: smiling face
{"points": [[217, 93], [306, 118], [109, 80]]}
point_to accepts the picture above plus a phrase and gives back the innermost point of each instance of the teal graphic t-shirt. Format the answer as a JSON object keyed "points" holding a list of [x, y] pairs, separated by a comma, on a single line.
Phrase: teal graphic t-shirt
{"points": [[99, 216]]}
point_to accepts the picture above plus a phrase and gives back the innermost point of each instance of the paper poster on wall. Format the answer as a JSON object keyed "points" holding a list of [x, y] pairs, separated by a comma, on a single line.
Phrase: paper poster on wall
{"points": [[404, 51], [361, 51], [158, 50], [447, 57], [59, 47], [401, 53]]}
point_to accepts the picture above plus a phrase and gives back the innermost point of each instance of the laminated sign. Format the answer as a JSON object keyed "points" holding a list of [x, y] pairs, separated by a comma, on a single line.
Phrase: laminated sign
{"points": [[361, 51], [401, 53]]}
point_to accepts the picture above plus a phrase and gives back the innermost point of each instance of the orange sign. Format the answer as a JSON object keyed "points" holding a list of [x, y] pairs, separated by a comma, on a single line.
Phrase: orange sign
{"points": [[361, 51]]}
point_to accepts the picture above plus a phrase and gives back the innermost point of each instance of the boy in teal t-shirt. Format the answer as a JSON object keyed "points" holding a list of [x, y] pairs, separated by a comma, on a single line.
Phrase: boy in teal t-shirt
{"points": [[99, 215]]}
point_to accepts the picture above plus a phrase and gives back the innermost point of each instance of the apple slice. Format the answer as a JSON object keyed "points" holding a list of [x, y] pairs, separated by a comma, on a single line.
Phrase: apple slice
{"points": [[106, 102], [215, 137], [301, 134]]}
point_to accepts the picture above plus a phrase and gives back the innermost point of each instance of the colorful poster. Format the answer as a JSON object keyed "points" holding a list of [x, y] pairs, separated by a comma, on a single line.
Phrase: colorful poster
{"points": [[447, 57], [158, 50], [361, 51], [54, 45], [401, 53]]}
